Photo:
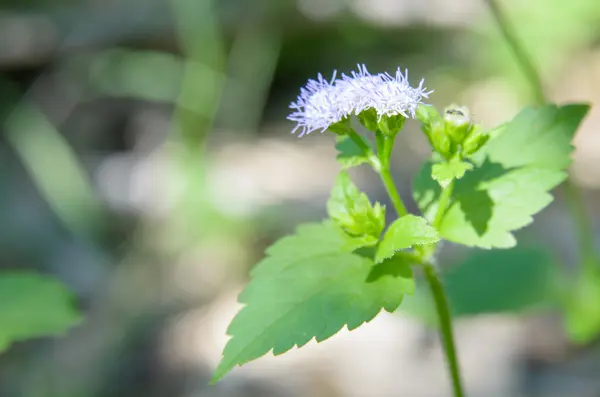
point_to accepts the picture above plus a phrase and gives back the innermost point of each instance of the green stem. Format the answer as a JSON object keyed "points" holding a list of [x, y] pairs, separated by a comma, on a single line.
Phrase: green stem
{"points": [[444, 202], [523, 59], [385, 145], [367, 150], [445, 324], [386, 176], [388, 182]]}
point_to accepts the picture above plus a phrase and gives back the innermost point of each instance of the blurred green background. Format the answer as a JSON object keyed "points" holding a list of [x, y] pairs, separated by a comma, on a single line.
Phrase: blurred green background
{"points": [[146, 163]]}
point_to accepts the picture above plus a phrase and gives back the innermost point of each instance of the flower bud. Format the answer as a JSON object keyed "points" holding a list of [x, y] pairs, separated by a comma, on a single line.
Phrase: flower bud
{"points": [[391, 125], [457, 122], [475, 140], [352, 211], [427, 114], [368, 118], [440, 140]]}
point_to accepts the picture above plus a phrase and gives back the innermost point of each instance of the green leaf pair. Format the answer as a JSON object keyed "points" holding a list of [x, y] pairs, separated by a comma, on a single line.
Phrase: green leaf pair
{"points": [[309, 286], [325, 276]]}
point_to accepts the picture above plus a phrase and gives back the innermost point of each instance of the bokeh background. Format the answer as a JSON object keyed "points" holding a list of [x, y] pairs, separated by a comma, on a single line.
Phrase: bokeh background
{"points": [[146, 163]]}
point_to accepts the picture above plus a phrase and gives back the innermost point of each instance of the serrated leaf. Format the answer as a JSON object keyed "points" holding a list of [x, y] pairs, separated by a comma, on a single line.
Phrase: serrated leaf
{"points": [[404, 233], [499, 281], [445, 172], [350, 154], [31, 306], [512, 180], [290, 249], [291, 300]]}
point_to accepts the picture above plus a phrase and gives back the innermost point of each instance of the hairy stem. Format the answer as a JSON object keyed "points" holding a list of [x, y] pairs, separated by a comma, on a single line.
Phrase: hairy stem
{"points": [[445, 324], [523, 59], [574, 195]]}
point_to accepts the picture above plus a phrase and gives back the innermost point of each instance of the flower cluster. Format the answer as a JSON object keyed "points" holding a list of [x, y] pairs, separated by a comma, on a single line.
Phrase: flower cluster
{"points": [[322, 102]]}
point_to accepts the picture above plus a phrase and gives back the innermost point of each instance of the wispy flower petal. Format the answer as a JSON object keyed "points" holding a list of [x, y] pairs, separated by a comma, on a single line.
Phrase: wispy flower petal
{"points": [[395, 96], [317, 106]]}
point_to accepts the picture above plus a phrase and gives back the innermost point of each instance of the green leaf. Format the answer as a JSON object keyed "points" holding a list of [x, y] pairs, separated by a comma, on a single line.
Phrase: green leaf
{"points": [[499, 281], [398, 266], [539, 138], [31, 306], [350, 154], [352, 211], [309, 286], [404, 233], [515, 172], [445, 172]]}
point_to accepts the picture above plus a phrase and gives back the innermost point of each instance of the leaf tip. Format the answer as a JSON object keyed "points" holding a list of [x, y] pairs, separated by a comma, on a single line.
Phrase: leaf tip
{"points": [[219, 373]]}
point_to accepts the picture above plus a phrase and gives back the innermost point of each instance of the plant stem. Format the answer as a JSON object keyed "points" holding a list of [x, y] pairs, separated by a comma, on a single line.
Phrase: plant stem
{"points": [[381, 165], [388, 182], [385, 144], [523, 59], [445, 324], [583, 225], [573, 193], [367, 150], [386, 175], [443, 204]]}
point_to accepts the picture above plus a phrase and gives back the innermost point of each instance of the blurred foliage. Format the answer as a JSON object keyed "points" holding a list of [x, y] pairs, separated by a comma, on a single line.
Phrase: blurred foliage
{"points": [[33, 305], [515, 280]]}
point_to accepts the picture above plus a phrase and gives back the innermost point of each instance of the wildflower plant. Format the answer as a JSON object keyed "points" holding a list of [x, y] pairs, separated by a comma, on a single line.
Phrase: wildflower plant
{"points": [[477, 188]]}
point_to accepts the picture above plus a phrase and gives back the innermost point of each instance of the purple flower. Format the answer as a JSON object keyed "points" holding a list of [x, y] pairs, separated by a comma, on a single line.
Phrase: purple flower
{"points": [[322, 103]]}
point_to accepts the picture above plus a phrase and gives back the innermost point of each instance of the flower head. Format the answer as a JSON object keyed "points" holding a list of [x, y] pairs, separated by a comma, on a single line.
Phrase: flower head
{"points": [[317, 106], [322, 103]]}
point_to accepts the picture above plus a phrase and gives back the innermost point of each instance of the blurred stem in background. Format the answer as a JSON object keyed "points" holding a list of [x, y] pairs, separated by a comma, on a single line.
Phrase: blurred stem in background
{"points": [[203, 78], [251, 67], [219, 86], [573, 194], [523, 59], [54, 167]]}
